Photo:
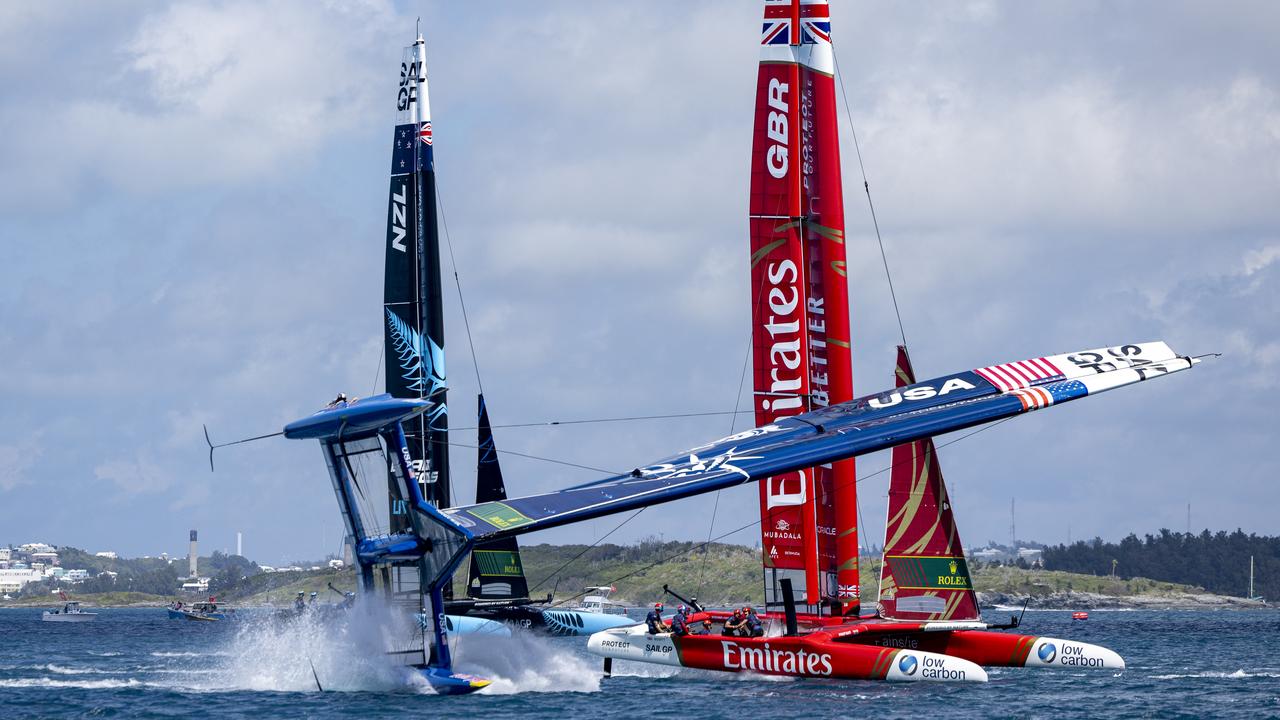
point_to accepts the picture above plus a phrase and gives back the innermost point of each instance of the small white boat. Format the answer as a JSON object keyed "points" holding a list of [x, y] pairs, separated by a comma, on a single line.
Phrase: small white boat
{"points": [[70, 612], [598, 602]]}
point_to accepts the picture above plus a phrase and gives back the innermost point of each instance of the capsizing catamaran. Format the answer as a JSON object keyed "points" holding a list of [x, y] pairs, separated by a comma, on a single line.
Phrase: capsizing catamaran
{"points": [[366, 453]]}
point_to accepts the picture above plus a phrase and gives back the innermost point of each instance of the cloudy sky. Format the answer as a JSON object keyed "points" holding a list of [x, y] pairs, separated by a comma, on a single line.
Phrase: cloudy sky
{"points": [[192, 202]]}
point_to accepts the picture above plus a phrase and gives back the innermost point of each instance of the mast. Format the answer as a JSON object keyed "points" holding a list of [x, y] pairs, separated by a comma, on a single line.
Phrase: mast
{"points": [[413, 316], [800, 316]]}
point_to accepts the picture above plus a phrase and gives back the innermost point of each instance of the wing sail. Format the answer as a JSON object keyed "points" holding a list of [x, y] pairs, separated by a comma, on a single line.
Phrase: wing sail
{"points": [[924, 575], [875, 422], [496, 569]]}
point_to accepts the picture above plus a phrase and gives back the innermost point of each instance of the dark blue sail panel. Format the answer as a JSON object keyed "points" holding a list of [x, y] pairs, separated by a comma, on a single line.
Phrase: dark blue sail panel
{"points": [[864, 425], [496, 568], [412, 318]]}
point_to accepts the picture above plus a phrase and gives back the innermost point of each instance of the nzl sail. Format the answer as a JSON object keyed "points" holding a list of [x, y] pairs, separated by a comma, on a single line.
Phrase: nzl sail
{"points": [[924, 575], [412, 315], [799, 299]]}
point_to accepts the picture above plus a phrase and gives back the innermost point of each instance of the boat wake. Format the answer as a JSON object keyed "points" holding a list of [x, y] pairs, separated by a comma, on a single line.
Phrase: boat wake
{"points": [[526, 663], [1237, 675]]}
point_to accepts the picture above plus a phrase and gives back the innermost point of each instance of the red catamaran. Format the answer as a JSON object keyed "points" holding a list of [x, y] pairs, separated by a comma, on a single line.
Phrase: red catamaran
{"points": [[926, 625]]}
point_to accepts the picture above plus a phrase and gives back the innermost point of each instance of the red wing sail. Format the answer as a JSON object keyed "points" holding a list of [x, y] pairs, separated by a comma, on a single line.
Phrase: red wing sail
{"points": [[924, 575], [800, 300]]}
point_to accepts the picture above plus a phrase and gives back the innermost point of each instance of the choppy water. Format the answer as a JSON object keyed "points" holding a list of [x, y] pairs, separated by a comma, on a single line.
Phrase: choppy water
{"points": [[138, 663]]}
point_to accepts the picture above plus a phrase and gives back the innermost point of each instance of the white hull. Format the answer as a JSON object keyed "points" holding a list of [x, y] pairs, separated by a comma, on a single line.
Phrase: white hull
{"points": [[69, 617], [1069, 654]]}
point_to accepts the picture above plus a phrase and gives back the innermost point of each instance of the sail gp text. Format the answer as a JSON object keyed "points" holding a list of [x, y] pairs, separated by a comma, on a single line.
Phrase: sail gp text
{"points": [[767, 659]]}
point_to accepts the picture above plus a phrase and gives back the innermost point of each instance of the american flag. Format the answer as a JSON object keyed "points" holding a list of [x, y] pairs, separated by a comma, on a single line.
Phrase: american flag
{"points": [[1034, 398], [1021, 374], [425, 133]]}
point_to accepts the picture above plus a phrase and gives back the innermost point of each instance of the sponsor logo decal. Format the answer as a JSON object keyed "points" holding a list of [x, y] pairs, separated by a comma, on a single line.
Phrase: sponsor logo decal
{"points": [[398, 213], [500, 515], [775, 157], [408, 94], [908, 665], [1047, 652], [768, 659], [696, 465], [783, 525], [1073, 655], [919, 392]]}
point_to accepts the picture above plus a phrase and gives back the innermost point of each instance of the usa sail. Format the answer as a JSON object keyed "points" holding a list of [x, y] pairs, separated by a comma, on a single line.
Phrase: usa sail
{"points": [[801, 338], [923, 574], [413, 318]]}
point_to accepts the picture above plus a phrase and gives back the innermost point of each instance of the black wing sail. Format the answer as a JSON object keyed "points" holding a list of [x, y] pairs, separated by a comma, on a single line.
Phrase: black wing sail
{"points": [[412, 315], [496, 570]]}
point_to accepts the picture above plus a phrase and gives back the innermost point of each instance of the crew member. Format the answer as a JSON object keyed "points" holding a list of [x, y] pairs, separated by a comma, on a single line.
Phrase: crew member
{"points": [[736, 625], [679, 624], [706, 628], [312, 601], [299, 602], [654, 620], [754, 628]]}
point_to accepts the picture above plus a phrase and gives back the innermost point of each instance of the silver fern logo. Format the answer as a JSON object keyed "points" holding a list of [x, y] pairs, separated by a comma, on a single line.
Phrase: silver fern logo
{"points": [[421, 361]]}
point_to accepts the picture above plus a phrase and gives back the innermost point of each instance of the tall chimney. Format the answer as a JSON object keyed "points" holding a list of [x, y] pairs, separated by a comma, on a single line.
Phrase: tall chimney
{"points": [[191, 555], [239, 544]]}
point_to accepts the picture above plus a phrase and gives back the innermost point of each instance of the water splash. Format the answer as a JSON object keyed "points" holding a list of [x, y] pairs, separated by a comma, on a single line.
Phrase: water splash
{"points": [[526, 663]]}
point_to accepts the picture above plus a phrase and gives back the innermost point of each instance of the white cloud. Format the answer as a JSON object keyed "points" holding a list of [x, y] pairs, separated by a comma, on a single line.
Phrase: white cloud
{"points": [[134, 475], [16, 461]]}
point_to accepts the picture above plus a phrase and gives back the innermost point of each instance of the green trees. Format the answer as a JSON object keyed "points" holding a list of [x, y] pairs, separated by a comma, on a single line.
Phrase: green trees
{"points": [[1218, 562]]}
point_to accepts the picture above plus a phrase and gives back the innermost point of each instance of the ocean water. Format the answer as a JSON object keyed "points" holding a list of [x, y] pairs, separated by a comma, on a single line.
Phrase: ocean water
{"points": [[138, 663]]}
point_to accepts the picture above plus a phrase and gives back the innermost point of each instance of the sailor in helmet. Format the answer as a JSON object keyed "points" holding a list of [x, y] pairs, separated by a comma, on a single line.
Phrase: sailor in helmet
{"points": [[679, 622], [300, 602], [755, 628], [312, 601], [654, 620]]}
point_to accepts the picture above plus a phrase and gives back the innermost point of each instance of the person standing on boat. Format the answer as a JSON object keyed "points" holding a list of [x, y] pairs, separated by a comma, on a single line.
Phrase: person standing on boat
{"points": [[654, 620], [299, 603]]}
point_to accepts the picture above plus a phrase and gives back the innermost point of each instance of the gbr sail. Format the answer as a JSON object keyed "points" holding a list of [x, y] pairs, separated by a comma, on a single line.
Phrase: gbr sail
{"points": [[924, 575], [799, 298], [413, 321]]}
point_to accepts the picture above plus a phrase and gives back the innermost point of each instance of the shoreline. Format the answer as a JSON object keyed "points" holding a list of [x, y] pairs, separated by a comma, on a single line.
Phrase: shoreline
{"points": [[1074, 601]]}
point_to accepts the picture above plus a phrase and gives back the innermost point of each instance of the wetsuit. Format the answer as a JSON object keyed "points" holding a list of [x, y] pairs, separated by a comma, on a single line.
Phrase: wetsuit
{"points": [[754, 627]]}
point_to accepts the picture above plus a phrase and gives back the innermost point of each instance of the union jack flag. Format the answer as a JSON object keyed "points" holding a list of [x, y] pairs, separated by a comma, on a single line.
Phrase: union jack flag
{"points": [[814, 18], [425, 133]]}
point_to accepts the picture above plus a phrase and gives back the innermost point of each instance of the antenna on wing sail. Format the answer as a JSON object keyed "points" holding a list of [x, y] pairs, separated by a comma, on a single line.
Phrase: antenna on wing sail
{"points": [[213, 447]]}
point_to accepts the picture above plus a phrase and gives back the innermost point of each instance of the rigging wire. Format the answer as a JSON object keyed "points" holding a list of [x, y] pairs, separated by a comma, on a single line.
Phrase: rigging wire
{"points": [[587, 421], [875, 222], [571, 560], [755, 522], [534, 457], [457, 283], [866, 186], [733, 422]]}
